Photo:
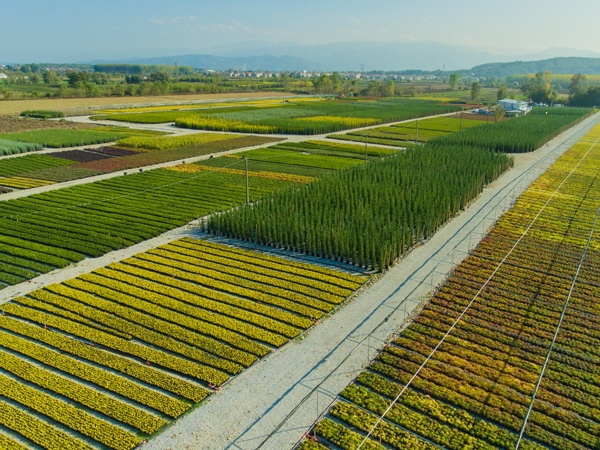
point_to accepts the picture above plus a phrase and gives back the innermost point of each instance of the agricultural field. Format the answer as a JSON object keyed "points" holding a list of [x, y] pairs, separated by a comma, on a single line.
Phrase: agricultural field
{"points": [[368, 215], [29, 163], [297, 117], [8, 147], [307, 159], [51, 230], [9, 124], [64, 138], [203, 105], [74, 164], [405, 134], [520, 134], [505, 355], [168, 142], [107, 359]]}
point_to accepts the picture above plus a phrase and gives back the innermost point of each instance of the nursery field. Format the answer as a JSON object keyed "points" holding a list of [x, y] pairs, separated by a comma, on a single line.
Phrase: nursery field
{"points": [[368, 215], [308, 159], [74, 164], [107, 359], [28, 141], [297, 117], [405, 134], [506, 353], [46, 231], [520, 134]]}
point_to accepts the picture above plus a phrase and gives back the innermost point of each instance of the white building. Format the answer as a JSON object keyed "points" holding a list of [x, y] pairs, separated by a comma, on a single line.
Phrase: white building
{"points": [[3, 76], [514, 107]]}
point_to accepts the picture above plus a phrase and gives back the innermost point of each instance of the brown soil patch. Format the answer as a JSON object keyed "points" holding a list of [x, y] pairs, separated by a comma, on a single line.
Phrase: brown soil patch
{"points": [[82, 106], [10, 124]]}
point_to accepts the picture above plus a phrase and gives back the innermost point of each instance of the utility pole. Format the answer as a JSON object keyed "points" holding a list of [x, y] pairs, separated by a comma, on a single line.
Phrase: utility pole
{"points": [[461, 121], [247, 188], [366, 144], [417, 135]]}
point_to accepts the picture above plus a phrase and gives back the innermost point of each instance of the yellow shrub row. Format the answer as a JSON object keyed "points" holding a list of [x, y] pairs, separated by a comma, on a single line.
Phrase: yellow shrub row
{"points": [[23, 183], [142, 372], [115, 383], [235, 288], [175, 363], [184, 323], [100, 430], [37, 431], [188, 304], [168, 142], [7, 443], [349, 122], [331, 276], [33, 303], [219, 124], [260, 314], [142, 326], [193, 168], [262, 284], [93, 399], [310, 286]]}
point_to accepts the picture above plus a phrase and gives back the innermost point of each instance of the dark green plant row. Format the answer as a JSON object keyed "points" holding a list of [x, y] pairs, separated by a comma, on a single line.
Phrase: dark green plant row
{"points": [[519, 134], [30, 163], [368, 215]]}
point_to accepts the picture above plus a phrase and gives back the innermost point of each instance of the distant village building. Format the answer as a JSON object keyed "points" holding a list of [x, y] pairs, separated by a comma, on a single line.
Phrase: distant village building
{"points": [[514, 107], [3, 76]]}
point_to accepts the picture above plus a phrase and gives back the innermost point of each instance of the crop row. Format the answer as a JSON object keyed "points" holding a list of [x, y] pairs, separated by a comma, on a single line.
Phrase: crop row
{"points": [[166, 142], [91, 398], [520, 134], [64, 413], [23, 182], [138, 351], [28, 163], [308, 286], [244, 290], [38, 431], [368, 215], [92, 219], [479, 382], [126, 366], [10, 147], [217, 268], [194, 168], [331, 276], [154, 279]]}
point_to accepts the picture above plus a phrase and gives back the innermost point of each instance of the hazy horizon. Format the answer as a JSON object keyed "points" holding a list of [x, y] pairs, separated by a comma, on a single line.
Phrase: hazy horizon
{"points": [[66, 31]]}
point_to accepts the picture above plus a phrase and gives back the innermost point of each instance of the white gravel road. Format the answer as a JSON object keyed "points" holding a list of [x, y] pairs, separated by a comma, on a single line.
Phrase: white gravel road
{"points": [[273, 404]]}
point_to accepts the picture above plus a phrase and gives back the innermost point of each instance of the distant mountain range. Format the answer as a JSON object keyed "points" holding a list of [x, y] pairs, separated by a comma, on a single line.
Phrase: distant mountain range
{"points": [[371, 56]]}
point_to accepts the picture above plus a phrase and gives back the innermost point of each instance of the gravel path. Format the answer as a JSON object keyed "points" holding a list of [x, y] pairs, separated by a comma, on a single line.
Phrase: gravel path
{"points": [[273, 404]]}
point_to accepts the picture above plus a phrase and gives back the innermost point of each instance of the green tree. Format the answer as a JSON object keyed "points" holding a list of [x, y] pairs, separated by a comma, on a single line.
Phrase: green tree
{"points": [[577, 84], [498, 112], [50, 77], [502, 92], [453, 81], [390, 88], [538, 88], [475, 90]]}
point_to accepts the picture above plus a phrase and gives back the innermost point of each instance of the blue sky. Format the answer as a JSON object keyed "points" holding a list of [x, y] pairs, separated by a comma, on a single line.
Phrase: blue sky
{"points": [[83, 30]]}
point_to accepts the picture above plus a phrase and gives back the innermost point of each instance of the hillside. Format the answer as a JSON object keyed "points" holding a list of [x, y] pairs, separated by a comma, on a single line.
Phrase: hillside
{"points": [[587, 66]]}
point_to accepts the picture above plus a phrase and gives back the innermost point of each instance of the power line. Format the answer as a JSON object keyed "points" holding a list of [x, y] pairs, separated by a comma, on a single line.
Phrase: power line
{"points": [[474, 298]]}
